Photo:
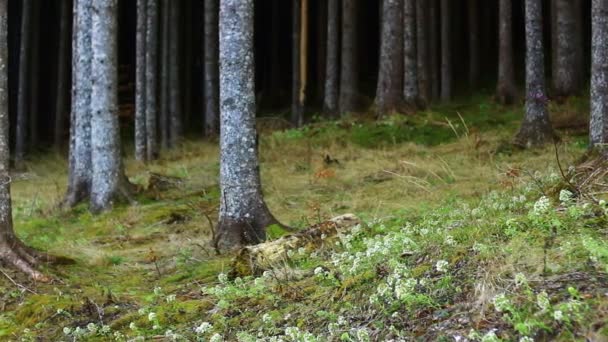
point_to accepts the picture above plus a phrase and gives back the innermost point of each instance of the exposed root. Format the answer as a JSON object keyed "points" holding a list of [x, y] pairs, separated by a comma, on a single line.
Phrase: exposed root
{"points": [[591, 175], [15, 260]]}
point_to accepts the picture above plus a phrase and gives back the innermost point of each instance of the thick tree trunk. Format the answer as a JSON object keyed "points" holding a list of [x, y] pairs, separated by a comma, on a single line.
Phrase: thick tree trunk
{"points": [[446, 52], [423, 50], [434, 49], [164, 75], [296, 108], [61, 97], [175, 103], [332, 64], [140, 82], [152, 80], [23, 101], [211, 68], [568, 69], [473, 43], [108, 180], [80, 164], [348, 65], [506, 92], [410, 72], [244, 215], [598, 125], [536, 127], [389, 89]]}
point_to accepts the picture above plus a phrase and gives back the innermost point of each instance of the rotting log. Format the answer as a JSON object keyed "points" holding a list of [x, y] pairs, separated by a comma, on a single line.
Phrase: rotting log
{"points": [[253, 260]]}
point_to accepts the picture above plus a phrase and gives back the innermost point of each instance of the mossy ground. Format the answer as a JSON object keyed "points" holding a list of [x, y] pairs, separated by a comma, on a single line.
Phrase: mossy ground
{"points": [[405, 171]]}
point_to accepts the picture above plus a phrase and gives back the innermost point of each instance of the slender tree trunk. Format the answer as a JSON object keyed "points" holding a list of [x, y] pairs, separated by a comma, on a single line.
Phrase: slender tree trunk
{"points": [[108, 181], [211, 68], [598, 125], [175, 103], [24, 104], [506, 92], [389, 89], [446, 52], [303, 91], [80, 164], [296, 108], [332, 68], [536, 127], [140, 82], [187, 58], [423, 50], [152, 81], [473, 43], [435, 49], [410, 72], [34, 82], [348, 65], [61, 97], [275, 89], [164, 75], [567, 70], [320, 51], [243, 214]]}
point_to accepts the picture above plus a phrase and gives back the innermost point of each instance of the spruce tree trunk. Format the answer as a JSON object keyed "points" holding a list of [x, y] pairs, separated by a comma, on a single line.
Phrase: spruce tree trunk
{"points": [[423, 50], [175, 103], [434, 49], [598, 125], [152, 80], [108, 181], [164, 75], [568, 69], [473, 43], [34, 82], [296, 108], [80, 164], [536, 127], [140, 82], [211, 68], [23, 100], [410, 72], [389, 89], [332, 64], [446, 52], [506, 92], [244, 215], [348, 64], [61, 97]]}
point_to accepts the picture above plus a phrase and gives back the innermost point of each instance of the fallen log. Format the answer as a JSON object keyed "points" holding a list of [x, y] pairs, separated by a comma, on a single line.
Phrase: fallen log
{"points": [[253, 260]]}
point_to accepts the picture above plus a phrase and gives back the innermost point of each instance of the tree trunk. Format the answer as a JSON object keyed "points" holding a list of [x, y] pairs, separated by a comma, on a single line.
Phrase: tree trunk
{"points": [[211, 68], [296, 108], [175, 103], [598, 125], [34, 82], [506, 92], [568, 69], [164, 75], [152, 80], [302, 93], [536, 127], [423, 50], [473, 43], [61, 96], [389, 89], [348, 65], [446, 52], [108, 181], [410, 72], [80, 164], [24, 104], [243, 216], [140, 82], [332, 68], [435, 49]]}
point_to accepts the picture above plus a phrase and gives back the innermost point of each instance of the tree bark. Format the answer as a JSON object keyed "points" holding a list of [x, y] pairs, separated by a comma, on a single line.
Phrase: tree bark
{"points": [[423, 50], [61, 97], [152, 80], [348, 65], [296, 75], [389, 89], [140, 81], [164, 75], [243, 216], [598, 125], [434, 49], [80, 164], [446, 52], [34, 81], [108, 181], [410, 72], [506, 92], [332, 68], [175, 103], [568, 69], [536, 129], [473, 43], [23, 101], [211, 68]]}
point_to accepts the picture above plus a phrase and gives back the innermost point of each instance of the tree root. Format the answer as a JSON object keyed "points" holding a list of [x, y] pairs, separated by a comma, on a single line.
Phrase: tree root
{"points": [[19, 262]]}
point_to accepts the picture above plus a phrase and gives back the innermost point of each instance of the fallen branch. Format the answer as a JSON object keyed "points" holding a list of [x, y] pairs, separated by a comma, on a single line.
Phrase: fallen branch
{"points": [[25, 288]]}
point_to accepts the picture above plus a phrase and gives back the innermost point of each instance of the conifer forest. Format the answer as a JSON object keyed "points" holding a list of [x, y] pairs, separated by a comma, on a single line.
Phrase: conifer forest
{"points": [[304, 170]]}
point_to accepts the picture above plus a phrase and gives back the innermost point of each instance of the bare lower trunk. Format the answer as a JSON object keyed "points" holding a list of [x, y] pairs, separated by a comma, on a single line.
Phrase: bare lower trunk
{"points": [[348, 65], [598, 125], [446, 52], [140, 82], [410, 72], [389, 89], [164, 75], [332, 68], [567, 70], [211, 68], [422, 40], [34, 82], [175, 103], [152, 80], [23, 104], [506, 91], [296, 108], [434, 50], [473, 43], [62, 75]]}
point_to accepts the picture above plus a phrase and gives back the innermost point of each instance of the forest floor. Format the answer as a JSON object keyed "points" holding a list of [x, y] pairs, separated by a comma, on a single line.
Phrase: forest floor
{"points": [[464, 237]]}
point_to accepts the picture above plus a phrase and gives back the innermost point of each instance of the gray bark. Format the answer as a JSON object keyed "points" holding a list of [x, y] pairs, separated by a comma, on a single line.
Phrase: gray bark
{"points": [[434, 49], [389, 89], [211, 68], [108, 175], [506, 92], [410, 72], [423, 50], [243, 214], [348, 64], [164, 76], [332, 64], [536, 127], [23, 100], [446, 52], [140, 82], [34, 83], [151, 79], [62, 74], [296, 106], [80, 164], [598, 125], [568, 69], [473, 43], [175, 103]]}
